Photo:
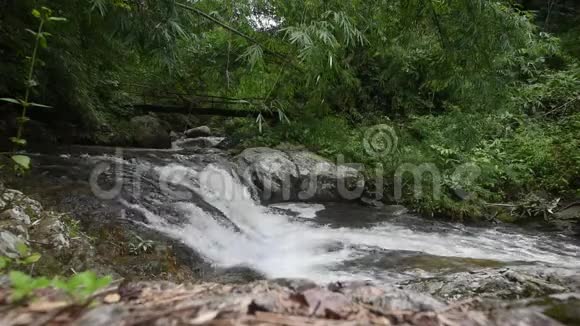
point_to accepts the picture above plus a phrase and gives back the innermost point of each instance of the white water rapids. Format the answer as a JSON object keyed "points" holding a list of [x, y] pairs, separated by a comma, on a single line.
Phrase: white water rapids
{"points": [[282, 245]]}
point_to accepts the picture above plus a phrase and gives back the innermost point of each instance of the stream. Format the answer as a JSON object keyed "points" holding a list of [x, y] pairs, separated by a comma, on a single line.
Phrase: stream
{"points": [[202, 203]]}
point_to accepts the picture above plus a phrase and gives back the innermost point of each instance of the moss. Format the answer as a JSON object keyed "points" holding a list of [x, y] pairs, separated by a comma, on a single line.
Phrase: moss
{"points": [[568, 313]]}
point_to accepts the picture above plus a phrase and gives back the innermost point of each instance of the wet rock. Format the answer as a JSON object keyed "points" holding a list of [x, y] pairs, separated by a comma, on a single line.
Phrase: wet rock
{"points": [[237, 275], [201, 142], [229, 142], [396, 210], [522, 317], [505, 284], [9, 243], [371, 202], [297, 175], [322, 180], [150, 132], [203, 131], [563, 307], [570, 213], [568, 219], [174, 136], [269, 172]]}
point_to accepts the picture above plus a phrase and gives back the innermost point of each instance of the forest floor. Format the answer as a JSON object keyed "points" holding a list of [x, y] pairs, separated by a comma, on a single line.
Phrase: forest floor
{"points": [[260, 303]]}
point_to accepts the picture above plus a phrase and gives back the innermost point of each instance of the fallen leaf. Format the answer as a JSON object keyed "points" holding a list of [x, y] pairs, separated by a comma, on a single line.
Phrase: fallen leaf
{"points": [[112, 298], [204, 318], [45, 306]]}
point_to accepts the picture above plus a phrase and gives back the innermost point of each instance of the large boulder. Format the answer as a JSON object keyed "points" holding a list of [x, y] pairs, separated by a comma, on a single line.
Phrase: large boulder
{"points": [[203, 131], [275, 175], [269, 173], [322, 180], [150, 132], [568, 219], [200, 142]]}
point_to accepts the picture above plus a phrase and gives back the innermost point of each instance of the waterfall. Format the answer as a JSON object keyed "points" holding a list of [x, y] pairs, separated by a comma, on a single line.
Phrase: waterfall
{"points": [[219, 219]]}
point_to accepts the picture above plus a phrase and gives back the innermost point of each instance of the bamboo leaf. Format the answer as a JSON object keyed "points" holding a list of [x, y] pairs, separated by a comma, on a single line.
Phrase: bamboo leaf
{"points": [[58, 19], [40, 105], [11, 100], [260, 121]]}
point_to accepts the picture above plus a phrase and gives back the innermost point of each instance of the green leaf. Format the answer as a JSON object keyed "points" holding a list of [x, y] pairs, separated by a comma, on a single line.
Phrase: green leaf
{"points": [[18, 141], [42, 41], [22, 160], [32, 258], [46, 11], [58, 19], [31, 31], [41, 283], [40, 105], [11, 100], [19, 279], [36, 13], [22, 249], [4, 262]]}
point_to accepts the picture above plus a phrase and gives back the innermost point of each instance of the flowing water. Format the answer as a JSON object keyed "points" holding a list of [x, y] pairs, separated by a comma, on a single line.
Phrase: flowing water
{"points": [[202, 203]]}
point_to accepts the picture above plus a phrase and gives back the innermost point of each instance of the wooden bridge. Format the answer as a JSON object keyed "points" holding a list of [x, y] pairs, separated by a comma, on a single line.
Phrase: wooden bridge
{"points": [[160, 101]]}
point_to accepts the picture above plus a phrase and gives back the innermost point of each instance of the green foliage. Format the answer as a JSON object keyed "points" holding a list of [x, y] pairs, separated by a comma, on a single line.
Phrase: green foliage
{"points": [[140, 246], [24, 286], [25, 258], [44, 16], [81, 286]]}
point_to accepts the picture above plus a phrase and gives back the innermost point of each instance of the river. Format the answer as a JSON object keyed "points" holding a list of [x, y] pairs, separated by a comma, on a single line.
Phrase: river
{"points": [[202, 203]]}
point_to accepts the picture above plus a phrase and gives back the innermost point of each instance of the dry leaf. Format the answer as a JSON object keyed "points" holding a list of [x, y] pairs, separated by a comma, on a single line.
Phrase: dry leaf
{"points": [[46, 306], [112, 298], [204, 317]]}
